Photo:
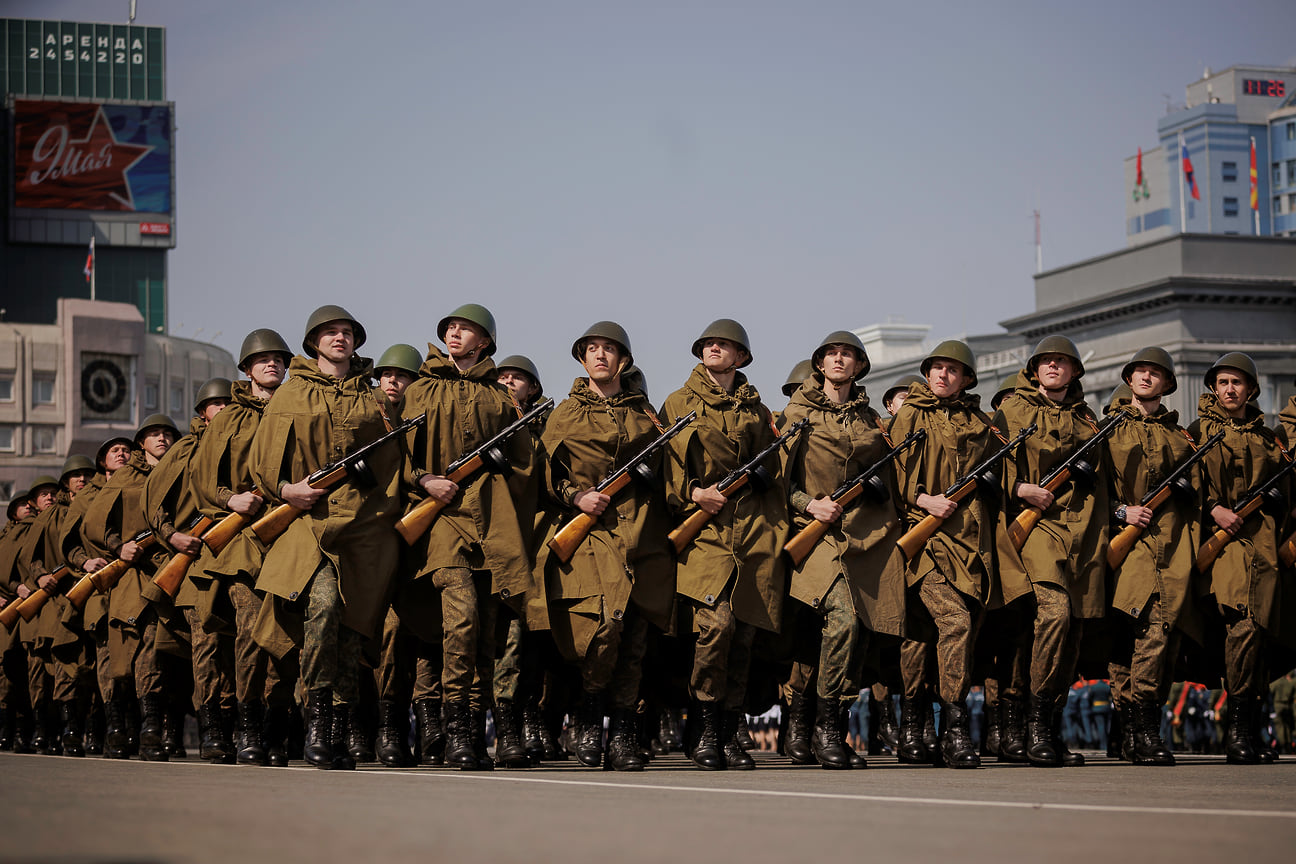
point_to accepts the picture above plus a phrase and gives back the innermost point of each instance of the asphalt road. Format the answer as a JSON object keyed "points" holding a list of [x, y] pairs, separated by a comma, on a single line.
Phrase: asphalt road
{"points": [[98, 811]]}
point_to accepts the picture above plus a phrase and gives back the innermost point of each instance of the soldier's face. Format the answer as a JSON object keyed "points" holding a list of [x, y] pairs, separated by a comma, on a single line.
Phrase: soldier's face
{"points": [[23, 510], [1055, 371], [335, 341], [464, 339], [77, 480], [602, 359], [45, 498], [893, 405], [840, 364], [116, 457], [211, 408], [520, 383], [393, 382], [1233, 389], [721, 355], [267, 369], [947, 378], [1148, 381], [156, 441]]}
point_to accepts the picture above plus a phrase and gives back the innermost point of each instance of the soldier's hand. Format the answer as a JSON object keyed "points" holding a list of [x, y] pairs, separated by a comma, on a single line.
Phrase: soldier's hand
{"points": [[301, 494], [937, 505], [186, 543], [22, 591], [93, 564], [824, 509], [246, 503], [130, 552], [439, 488], [709, 499], [47, 582], [1136, 515], [1036, 496], [591, 502], [1226, 519]]}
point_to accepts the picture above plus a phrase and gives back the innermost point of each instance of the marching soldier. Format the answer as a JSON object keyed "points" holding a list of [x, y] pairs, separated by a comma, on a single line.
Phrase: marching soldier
{"points": [[854, 576], [898, 392], [1063, 556], [330, 572], [14, 701], [729, 579], [40, 677], [1244, 579]]}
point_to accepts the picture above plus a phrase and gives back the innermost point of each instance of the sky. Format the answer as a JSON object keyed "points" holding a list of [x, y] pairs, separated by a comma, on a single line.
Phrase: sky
{"points": [[801, 167]]}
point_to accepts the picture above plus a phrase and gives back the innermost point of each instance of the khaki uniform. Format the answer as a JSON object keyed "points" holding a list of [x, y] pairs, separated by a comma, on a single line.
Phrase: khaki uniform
{"points": [[1065, 555], [730, 576], [622, 571], [854, 577], [1287, 423], [92, 619], [13, 677]]}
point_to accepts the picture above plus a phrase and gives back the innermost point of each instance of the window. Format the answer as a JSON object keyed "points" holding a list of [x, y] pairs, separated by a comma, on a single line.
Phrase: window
{"points": [[42, 390], [43, 439], [1291, 202], [1277, 173], [1228, 172], [177, 402], [1277, 205], [1230, 206], [1291, 131], [7, 438], [1291, 172], [151, 395], [6, 387]]}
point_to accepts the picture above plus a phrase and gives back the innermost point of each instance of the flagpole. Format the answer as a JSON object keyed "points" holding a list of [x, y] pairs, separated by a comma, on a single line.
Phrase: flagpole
{"points": [[1183, 207], [94, 265]]}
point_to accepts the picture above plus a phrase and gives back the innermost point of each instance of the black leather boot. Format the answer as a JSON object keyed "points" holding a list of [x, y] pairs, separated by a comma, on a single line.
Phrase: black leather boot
{"points": [[173, 731], [459, 736], [341, 738], [1120, 732], [484, 761], [318, 747], [930, 739], [133, 721], [1070, 758], [745, 740], [252, 721], [622, 750], [1149, 749], [431, 733], [667, 731], [1268, 755], [1040, 747], [115, 737], [735, 756], [391, 749], [843, 714], [95, 727], [510, 752], [152, 742], [229, 724], [1238, 747], [800, 729], [829, 751], [42, 739], [957, 749], [7, 727], [1012, 730], [990, 747], [707, 752], [358, 745], [533, 733], [910, 748], [209, 743], [73, 737], [589, 734], [274, 732]]}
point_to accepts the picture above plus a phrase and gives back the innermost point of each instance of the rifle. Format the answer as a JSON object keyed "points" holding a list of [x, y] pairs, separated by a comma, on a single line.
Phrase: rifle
{"points": [[1287, 551], [1254, 500], [105, 578], [274, 523], [571, 535], [916, 537], [419, 519], [732, 482], [172, 574], [1026, 520], [868, 481], [9, 613], [219, 535], [36, 600], [1123, 542]]}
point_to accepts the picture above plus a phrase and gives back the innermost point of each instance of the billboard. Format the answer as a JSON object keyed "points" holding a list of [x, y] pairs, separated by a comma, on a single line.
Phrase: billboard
{"points": [[90, 156], [82, 60]]}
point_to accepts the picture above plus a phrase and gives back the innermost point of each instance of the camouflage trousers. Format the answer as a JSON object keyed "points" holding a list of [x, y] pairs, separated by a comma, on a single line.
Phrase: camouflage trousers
{"points": [[957, 620], [133, 658], [1245, 647], [409, 669], [330, 654], [467, 644], [1142, 669], [613, 662], [60, 673], [722, 654], [258, 675], [1055, 648], [841, 640], [213, 663]]}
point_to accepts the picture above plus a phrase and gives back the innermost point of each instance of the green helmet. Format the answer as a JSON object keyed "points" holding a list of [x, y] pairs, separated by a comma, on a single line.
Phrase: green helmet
{"points": [[76, 463], [1057, 344], [1242, 363], [400, 356], [634, 379], [842, 337], [19, 497], [155, 420], [522, 364], [216, 388], [263, 341], [478, 315], [952, 349], [801, 371], [1153, 357], [102, 453], [1004, 391], [724, 328], [41, 482], [324, 315], [903, 383], [607, 330]]}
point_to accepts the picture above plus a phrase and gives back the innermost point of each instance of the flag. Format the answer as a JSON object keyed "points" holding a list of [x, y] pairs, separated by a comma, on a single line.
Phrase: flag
{"points": [[1255, 180], [1140, 184], [89, 265], [1188, 174]]}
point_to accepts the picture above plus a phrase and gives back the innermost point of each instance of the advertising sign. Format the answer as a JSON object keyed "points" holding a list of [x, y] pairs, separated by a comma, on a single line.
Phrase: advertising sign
{"points": [[82, 156]]}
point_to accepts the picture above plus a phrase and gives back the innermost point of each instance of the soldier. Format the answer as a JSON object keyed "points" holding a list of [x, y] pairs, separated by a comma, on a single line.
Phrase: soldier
{"points": [[854, 576], [1152, 590], [1063, 556], [956, 574], [896, 394], [475, 551], [729, 579], [14, 700], [225, 601], [40, 680], [113, 519], [338, 559], [621, 577], [801, 371], [1244, 580]]}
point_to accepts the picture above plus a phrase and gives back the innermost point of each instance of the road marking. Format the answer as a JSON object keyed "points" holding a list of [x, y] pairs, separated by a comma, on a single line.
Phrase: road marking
{"points": [[881, 799]]}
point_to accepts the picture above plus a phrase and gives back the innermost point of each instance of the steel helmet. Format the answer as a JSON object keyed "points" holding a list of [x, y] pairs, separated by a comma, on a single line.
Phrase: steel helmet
{"points": [[902, 383], [1154, 357], [400, 356], [263, 341], [156, 420], [801, 371], [1057, 344], [952, 349], [842, 337], [522, 364], [216, 388], [41, 482], [476, 314], [324, 315], [76, 463], [606, 330], [102, 453], [1242, 363], [19, 496], [725, 328]]}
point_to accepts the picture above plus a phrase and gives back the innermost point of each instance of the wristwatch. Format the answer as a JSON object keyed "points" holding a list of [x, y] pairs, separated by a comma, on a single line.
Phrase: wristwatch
{"points": [[1120, 513]]}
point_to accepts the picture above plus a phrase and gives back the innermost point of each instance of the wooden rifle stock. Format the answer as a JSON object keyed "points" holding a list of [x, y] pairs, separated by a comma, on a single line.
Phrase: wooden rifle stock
{"points": [[1287, 551], [570, 536], [691, 527], [9, 614], [1122, 543], [36, 601], [103, 579], [172, 574], [1211, 549], [418, 521], [1019, 529], [220, 534], [916, 537], [271, 525]]}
